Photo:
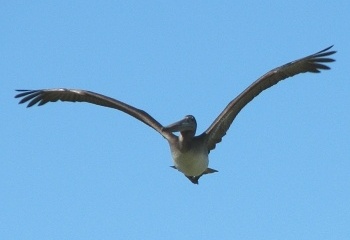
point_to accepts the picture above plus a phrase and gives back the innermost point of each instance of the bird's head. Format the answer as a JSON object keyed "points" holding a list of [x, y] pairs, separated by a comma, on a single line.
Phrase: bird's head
{"points": [[186, 125]]}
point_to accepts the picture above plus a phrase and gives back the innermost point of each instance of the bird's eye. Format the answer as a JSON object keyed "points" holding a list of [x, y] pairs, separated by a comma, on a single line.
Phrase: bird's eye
{"points": [[189, 118]]}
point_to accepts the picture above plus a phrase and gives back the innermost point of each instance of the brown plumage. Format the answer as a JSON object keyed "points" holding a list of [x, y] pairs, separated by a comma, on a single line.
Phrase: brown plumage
{"points": [[188, 149]]}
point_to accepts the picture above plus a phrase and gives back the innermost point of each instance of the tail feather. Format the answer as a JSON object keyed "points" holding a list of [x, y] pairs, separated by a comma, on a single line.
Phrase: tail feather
{"points": [[194, 179]]}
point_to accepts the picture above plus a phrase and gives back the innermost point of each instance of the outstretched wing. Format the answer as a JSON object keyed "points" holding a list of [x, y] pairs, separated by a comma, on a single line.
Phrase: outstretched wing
{"points": [[44, 96], [313, 63]]}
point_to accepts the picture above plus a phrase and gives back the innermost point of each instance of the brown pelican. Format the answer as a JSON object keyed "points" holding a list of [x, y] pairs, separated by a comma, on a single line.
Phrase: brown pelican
{"points": [[189, 152]]}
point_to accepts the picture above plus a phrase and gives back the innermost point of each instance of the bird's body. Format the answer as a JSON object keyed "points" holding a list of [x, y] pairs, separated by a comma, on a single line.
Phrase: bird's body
{"points": [[191, 163], [189, 152]]}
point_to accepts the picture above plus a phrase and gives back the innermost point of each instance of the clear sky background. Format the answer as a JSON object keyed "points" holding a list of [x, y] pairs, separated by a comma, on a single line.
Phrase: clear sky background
{"points": [[79, 171]]}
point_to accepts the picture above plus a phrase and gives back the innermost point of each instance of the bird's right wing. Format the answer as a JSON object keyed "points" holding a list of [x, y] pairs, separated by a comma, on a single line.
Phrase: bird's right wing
{"points": [[74, 95]]}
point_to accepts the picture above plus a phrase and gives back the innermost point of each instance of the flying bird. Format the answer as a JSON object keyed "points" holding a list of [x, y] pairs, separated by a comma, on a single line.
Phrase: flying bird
{"points": [[189, 152]]}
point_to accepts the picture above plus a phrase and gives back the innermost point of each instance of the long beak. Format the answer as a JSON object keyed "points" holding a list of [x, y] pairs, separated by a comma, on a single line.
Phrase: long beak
{"points": [[179, 126]]}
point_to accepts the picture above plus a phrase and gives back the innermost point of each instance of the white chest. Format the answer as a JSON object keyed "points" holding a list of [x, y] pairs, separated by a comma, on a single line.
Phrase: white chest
{"points": [[191, 163]]}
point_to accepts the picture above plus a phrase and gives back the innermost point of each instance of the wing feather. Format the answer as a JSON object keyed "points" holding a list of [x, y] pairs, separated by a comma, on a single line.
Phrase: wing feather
{"points": [[41, 97], [312, 63]]}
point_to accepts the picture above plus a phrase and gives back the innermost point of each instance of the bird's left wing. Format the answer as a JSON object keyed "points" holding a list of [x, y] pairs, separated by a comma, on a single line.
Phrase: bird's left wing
{"points": [[313, 63]]}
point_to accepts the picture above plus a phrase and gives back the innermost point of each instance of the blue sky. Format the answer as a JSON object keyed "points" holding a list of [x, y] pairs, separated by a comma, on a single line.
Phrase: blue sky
{"points": [[78, 171]]}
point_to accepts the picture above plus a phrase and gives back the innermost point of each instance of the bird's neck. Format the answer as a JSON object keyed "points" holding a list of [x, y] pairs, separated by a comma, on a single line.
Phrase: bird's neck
{"points": [[185, 140]]}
